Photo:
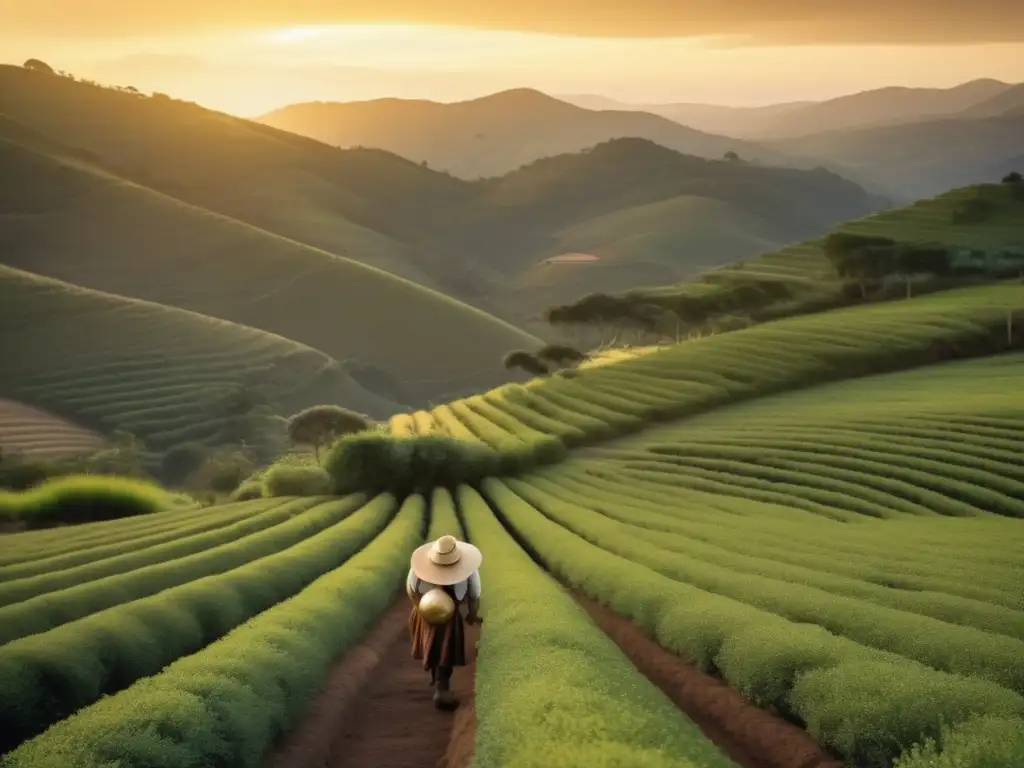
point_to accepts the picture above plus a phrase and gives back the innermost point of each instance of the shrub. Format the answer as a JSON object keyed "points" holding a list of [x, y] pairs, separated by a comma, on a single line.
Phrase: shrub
{"points": [[82, 499], [250, 489], [182, 460], [526, 362], [222, 471], [375, 462], [1013, 178], [296, 480]]}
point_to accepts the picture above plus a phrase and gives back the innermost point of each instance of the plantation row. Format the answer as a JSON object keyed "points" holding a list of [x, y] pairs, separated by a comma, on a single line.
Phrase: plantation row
{"points": [[781, 603], [157, 372], [527, 425]]}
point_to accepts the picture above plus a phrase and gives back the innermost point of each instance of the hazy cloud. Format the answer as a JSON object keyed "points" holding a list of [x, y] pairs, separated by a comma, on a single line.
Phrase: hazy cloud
{"points": [[746, 22]]}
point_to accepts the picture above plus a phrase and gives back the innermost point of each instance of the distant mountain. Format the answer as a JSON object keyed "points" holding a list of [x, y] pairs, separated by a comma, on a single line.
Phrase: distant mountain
{"points": [[263, 227], [920, 159], [1005, 103], [740, 122], [879, 107], [495, 134]]}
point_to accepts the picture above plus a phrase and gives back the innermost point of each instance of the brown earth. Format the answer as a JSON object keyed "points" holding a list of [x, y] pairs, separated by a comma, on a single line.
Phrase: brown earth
{"points": [[376, 709], [751, 737]]}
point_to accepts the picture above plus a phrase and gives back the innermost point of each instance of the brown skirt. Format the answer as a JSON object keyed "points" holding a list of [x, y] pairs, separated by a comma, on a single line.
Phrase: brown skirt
{"points": [[438, 646]]}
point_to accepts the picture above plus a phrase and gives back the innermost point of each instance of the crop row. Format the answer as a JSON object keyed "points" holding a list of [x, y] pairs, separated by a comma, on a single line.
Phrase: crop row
{"points": [[48, 676], [764, 552], [227, 704], [541, 649], [81, 550], [134, 556], [599, 402], [867, 703]]}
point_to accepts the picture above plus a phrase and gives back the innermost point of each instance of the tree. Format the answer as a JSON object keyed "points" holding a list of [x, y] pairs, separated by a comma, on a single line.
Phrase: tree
{"points": [[560, 354], [321, 425], [182, 460], [1013, 178], [39, 66], [731, 156], [525, 361]]}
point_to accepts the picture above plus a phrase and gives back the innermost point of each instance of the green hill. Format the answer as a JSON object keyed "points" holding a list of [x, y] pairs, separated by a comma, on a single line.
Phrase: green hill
{"points": [[986, 219], [803, 523], [468, 240], [160, 373], [82, 225]]}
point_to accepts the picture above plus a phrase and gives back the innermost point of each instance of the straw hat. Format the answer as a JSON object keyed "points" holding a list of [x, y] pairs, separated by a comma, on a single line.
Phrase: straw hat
{"points": [[446, 561]]}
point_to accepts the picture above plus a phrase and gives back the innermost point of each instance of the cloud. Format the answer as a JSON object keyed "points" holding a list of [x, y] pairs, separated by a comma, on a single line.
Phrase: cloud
{"points": [[745, 22]]}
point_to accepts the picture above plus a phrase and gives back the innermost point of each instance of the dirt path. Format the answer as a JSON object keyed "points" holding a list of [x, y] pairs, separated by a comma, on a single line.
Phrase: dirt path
{"points": [[751, 737], [376, 709]]}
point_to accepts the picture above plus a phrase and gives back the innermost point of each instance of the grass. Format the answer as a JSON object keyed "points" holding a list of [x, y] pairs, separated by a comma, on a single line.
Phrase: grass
{"points": [[155, 371], [80, 499]]}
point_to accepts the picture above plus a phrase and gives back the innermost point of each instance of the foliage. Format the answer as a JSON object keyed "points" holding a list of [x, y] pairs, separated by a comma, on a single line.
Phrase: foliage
{"points": [[320, 425], [560, 354], [608, 713], [257, 680], [178, 621], [248, 490], [1014, 177], [377, 462], [74, 499], [296, 480], [525, 361], [979, 743], [223, 470], [39, 66], [180, 461]]}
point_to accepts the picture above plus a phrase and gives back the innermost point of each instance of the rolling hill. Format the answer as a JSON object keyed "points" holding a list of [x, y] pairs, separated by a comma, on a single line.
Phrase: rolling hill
{"points": [[919, 159], [78, 223], [880, 106], [109, 363], [807, 280], [478, 242], [804, 495], [495, 134]]}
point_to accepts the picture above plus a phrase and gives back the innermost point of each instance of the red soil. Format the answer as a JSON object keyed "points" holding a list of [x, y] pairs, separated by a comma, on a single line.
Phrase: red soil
{"points": [[376, 709], [751, 737]]}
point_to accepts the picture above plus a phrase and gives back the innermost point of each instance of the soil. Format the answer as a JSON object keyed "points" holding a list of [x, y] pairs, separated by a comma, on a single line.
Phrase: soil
{"points": [[376, 709], [751, 737]]}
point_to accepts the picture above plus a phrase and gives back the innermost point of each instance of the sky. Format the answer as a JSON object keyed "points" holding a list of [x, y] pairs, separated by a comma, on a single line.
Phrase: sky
{"points": [[251, 56]]}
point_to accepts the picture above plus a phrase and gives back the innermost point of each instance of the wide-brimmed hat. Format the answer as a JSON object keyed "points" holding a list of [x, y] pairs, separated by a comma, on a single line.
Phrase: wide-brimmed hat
{"points": [[446, 561]]}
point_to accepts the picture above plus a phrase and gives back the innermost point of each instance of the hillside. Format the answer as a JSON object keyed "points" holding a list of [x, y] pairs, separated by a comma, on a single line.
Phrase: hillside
{"points": [[1007, 102], [33, 432], [476, 242], [495, 134], [918, 159], [803, 495], [880, 106], [800, 277], [80, 224], [163, 374]]}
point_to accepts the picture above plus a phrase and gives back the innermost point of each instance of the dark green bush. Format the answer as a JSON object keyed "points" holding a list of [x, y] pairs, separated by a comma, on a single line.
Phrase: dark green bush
{"points": [[82, 499], [375, 462], [250, 489], [182, 460], [296, 480]]}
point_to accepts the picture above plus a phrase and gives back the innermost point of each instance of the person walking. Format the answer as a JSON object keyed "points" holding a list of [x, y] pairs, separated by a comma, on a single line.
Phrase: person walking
{"points": [[451, 566]]}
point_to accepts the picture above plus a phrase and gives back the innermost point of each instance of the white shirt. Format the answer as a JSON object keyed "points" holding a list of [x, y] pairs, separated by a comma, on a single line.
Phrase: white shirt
{"points": [[470, 584]]}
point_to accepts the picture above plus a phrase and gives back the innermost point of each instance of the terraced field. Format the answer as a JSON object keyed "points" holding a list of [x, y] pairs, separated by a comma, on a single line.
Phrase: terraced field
{"points": [[33, 432], [805, 267], [819, 566], [157, 372]]}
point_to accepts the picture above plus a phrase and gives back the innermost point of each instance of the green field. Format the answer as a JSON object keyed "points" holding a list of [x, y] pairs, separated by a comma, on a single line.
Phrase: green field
{"points": [[160, 373], [822, 512], [811, 279]]}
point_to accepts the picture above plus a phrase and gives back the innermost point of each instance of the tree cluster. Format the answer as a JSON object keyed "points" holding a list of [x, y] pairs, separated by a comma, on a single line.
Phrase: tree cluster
{"points": [[547, 359]]}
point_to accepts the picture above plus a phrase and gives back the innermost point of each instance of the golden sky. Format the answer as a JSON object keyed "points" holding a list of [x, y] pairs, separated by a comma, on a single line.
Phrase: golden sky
{"points": [[249, 56]]}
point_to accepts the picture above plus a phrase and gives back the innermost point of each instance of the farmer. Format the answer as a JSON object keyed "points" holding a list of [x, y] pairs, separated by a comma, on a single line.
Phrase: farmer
{"points": [[450, 565]]}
